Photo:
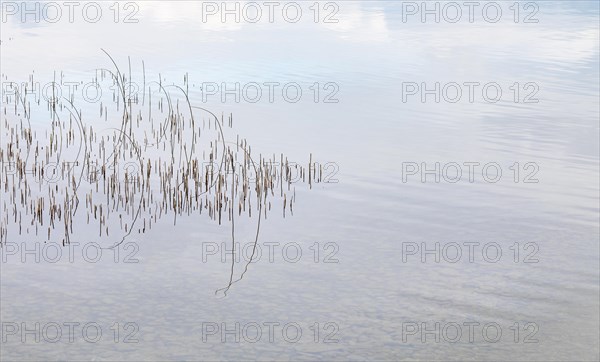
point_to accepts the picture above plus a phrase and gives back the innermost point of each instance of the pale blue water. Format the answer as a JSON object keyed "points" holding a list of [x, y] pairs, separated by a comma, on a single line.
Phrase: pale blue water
{"points": [[371, 295]]}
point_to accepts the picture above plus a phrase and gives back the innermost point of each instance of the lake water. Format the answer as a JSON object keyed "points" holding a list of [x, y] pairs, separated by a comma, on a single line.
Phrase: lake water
{"points": [[516, 240]]}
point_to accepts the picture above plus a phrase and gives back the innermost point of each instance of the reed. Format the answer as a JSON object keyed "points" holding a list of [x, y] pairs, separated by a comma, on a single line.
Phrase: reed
{"points": [[137, 160]]}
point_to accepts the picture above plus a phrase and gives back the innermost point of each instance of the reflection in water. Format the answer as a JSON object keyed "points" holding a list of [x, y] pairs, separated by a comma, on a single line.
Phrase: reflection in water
{"points": [[156, 155], [369, 52]]}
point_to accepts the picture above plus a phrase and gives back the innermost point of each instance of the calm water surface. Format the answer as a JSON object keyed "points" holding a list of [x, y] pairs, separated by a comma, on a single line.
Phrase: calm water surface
{"points": [[371, 295]]}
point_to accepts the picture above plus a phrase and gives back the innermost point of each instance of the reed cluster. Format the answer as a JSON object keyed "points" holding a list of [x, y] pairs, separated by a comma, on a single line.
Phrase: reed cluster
{"points": [[137, 160]]}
